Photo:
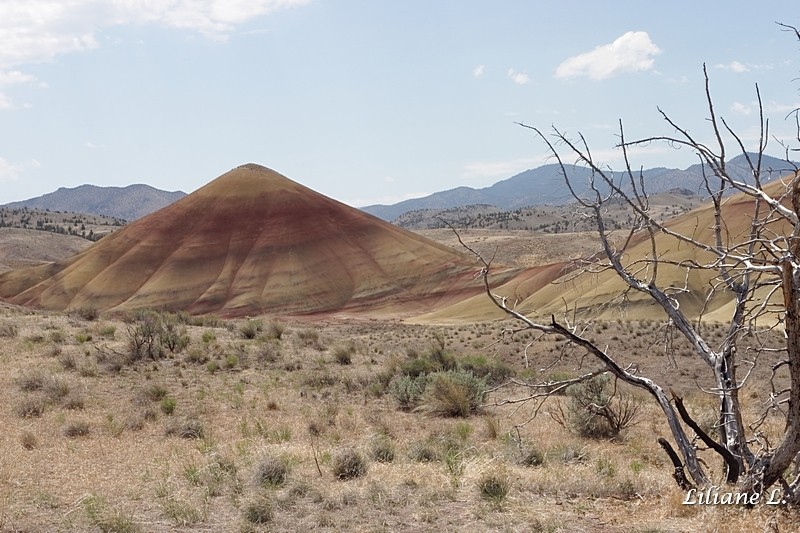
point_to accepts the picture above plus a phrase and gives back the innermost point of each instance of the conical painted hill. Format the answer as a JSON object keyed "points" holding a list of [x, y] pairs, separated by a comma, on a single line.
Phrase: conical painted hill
{"points": [[251, 242]]}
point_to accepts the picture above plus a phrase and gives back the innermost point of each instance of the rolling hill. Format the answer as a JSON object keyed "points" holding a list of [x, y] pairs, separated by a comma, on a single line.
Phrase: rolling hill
{"points": [[21, 248], [127, 203], [600, 294], [254, 242]]}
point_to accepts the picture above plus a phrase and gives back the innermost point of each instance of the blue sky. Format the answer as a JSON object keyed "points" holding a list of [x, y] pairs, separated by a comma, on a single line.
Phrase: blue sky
{"points": [[368, 101]]}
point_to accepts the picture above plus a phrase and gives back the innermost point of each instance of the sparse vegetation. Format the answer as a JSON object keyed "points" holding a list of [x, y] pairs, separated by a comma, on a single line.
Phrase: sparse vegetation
{"points": [[382, 449], [107, 519], [251, 328], [271, 471], [343, 353], [596, 410], [453, 393], [87, 312], [244, 434], [79, 428], [8, 330], [258, 511], [143, 337], [494, 486], [348, 464]]}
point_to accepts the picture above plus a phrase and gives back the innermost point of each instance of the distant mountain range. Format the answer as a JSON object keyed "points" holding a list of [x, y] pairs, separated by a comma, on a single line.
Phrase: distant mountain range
{"points": [[545, 185], [128, 203]]}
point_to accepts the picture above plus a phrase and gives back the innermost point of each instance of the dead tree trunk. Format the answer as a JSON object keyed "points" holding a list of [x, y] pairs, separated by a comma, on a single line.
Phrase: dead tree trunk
{"points": [[758, 270]]}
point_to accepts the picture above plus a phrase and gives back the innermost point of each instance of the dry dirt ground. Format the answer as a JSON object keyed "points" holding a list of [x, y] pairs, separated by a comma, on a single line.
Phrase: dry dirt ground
{"points": [[269, 425]]}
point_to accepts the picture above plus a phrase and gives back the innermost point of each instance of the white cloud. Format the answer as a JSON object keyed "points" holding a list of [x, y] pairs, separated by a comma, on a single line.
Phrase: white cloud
{"points": [[520, 78], [11, 171], [769, 107], [10, 77], [741, 109], [39, 30], [632, 52], [500, 169], [7, 171], [739, 67], [478, 71], [777, 107], [734, 66]]}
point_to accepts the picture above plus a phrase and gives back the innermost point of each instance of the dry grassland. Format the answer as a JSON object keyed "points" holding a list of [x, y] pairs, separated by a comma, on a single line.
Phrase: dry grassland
{"points": [[268, 426]]}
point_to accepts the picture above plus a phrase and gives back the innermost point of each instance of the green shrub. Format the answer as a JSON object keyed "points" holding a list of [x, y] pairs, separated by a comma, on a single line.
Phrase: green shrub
{"points": [[107, 332], [197, 355], [408, 390], [419, 366], [153, 392], [208, 321], [172, 335], [343, 353], [251, 328], [168, 405], [605, 467], [438, 353], [382, 450], [436, 359], [493, 370], [596, 409], [454, 393], [86, 312], [275, 330], [181, 512], [310, 338], [109, 520], [231, 361], [144, 337]]}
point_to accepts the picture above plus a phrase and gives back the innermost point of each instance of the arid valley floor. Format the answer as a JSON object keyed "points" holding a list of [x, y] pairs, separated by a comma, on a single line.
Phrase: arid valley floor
{"points": [[271, 424]]}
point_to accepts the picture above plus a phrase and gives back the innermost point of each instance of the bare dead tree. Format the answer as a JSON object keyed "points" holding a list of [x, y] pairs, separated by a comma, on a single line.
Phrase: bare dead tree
{"points": [[757, 269]]}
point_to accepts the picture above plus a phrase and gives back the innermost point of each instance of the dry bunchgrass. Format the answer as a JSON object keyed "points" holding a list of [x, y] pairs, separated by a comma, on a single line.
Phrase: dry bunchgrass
{"points": [[422, 472]]}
